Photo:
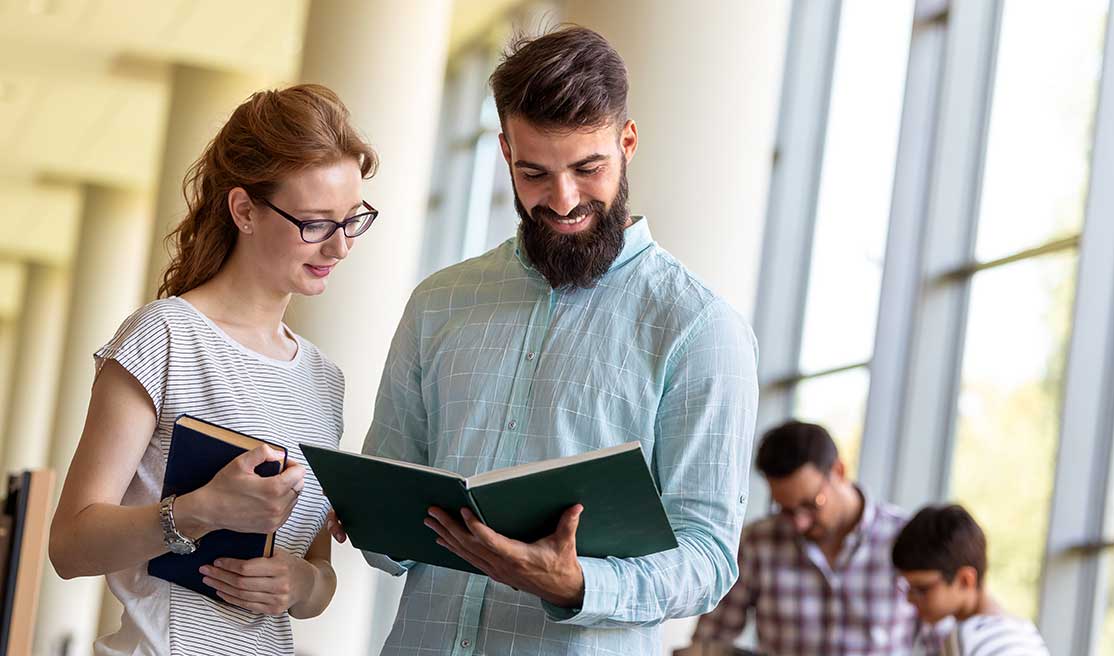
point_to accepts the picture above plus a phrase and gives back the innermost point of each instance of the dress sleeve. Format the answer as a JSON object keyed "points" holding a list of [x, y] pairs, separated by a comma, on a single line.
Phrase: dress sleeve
{"points": [[142, 347]]}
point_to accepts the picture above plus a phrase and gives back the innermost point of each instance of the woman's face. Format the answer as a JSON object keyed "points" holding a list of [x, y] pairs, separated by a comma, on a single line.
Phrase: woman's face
{"points": [[275, 244]]}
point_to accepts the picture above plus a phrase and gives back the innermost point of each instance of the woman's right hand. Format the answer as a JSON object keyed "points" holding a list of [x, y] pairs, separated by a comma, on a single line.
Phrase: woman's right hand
{"points": [[238, 499]]}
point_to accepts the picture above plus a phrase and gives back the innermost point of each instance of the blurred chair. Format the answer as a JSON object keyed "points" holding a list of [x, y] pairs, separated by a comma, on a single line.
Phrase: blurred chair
{"points": [[24, 529]]}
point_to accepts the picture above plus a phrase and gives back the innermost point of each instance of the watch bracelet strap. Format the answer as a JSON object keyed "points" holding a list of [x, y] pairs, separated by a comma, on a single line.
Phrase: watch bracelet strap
{"points": [[170, 530]]}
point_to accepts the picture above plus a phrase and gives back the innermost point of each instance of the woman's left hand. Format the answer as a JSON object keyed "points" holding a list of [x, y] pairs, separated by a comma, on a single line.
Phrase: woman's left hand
{"points": [[263, 585]]}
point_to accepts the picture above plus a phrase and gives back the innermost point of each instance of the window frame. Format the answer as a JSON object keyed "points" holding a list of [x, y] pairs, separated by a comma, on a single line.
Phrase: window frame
{"points": [[916, 365]]}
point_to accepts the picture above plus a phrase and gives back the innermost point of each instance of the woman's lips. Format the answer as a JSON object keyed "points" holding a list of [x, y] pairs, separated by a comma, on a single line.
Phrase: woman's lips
{"points": [[319, 271]]}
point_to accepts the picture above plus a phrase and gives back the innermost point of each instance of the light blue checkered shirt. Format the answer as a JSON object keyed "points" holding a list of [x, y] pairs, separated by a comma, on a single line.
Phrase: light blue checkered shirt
{"points": [[490, 368]]}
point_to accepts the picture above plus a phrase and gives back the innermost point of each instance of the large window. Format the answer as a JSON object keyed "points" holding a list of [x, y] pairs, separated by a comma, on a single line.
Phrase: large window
{"points": [[946, 234], [1009, 413], [852, 211], [1034, 189]]}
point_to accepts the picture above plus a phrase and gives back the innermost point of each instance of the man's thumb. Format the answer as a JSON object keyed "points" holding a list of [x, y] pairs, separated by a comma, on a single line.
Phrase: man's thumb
{"points": [[569, 523]]}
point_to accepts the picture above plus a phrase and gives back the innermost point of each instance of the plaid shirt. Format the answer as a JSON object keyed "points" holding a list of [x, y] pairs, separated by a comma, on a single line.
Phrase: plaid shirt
{"points": [[805, 606]]}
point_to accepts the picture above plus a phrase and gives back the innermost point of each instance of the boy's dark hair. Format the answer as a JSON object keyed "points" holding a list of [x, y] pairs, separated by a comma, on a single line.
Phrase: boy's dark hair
{"points": [[568, 78], [786, 448], [941, 538]]}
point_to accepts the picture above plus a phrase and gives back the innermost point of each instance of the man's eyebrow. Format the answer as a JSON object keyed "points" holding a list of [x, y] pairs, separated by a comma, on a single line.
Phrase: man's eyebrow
{"points": [[591, 159], [529, 165]]}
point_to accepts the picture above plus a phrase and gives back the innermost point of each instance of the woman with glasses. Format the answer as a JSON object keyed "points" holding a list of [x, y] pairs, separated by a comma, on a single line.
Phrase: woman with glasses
{"points": [[274, 206]]}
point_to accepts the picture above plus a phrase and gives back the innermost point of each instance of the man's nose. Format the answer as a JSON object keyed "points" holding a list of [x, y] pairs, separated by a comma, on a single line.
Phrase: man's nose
{"points": [[565, 196]]}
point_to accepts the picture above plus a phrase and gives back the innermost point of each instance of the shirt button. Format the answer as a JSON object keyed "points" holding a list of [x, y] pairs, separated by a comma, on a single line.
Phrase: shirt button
{"points": [[512, 424], [466, 643], [530, 355]]}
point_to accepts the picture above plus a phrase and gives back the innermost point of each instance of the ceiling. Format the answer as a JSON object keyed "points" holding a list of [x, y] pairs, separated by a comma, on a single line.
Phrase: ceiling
{"points": [[84, 90]]}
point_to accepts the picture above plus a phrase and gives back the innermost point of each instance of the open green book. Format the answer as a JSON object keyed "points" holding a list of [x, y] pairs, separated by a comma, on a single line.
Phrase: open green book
{"points": [[382, 503]]}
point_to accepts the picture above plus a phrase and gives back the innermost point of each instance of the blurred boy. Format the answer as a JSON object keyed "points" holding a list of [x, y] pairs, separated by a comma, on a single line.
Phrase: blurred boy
{"points": [[941, 555]]}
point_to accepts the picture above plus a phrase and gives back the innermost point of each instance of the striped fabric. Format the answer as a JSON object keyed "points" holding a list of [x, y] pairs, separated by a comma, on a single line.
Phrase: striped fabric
{"points": [[995, 635], [490, 367], [187, 364], [806, 607]]}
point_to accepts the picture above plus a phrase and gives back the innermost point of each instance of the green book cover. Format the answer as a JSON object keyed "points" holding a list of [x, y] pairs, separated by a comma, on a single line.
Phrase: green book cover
{"points": [[383, 503]]}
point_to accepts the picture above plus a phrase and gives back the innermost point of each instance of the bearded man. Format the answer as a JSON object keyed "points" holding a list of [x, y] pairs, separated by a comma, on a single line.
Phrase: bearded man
{"points": [[579, 333]]}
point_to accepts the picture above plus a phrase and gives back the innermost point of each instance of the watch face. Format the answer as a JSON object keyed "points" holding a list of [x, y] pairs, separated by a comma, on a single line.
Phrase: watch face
{"points": [[181, 548]]}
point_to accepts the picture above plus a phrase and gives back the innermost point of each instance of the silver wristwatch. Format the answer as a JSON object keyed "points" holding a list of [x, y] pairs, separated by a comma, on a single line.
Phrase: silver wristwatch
{"points": [[174, 541]]}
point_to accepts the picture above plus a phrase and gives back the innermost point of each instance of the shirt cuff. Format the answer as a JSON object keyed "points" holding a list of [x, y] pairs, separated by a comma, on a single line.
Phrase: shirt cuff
{"points": [[601, 595], [387, 564]]}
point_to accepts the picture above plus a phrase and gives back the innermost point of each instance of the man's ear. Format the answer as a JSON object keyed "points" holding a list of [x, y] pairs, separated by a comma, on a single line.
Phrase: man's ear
{"points": [[505, 147], [240, 207], [628, 140], [839, 470]]}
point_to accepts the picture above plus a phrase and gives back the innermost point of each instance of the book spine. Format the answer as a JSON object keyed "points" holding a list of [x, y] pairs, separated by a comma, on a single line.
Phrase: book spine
{"points": [[472, 505], [269, 547]]}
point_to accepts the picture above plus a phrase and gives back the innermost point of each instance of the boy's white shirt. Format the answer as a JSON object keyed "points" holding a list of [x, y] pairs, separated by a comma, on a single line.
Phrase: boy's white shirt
{"points": [[952, 644]]}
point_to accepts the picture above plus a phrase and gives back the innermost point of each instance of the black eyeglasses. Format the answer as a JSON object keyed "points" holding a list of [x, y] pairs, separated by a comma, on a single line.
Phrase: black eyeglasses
{"points": [[319, 230], [809, 508]]}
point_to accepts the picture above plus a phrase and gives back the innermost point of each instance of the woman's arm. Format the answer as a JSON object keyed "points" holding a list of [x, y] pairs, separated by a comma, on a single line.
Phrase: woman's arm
{"points": [[324, 586], [92, 534]]}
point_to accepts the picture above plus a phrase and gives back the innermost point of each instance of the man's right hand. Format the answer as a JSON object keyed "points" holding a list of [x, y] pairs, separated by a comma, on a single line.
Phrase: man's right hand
{"points": [[238, 499]]}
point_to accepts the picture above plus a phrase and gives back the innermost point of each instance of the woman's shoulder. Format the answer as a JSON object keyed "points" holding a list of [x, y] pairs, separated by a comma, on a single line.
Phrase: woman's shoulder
{"points": [[163, 312], [152, 319], [152, 328]]}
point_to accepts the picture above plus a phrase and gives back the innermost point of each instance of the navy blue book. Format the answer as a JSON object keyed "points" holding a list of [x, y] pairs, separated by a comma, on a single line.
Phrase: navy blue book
{"points": [[198, 450]]}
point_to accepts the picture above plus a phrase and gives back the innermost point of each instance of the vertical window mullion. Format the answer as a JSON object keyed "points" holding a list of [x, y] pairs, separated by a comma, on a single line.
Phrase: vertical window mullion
{"points": [[787, 242], [933, 325], [902, 268]]}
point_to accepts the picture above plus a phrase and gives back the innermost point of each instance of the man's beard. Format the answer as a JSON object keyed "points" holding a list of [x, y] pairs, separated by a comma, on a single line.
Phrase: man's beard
{"points": [[578, 260]]}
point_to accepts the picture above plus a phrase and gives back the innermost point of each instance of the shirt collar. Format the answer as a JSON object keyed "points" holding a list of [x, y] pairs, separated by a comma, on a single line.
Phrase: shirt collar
{"points": [[851, 543], [866, 521], [636, 238]]}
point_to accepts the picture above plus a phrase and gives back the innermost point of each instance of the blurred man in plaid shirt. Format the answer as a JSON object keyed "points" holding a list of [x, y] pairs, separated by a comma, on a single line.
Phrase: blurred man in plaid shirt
{"points": [[817, 572]]}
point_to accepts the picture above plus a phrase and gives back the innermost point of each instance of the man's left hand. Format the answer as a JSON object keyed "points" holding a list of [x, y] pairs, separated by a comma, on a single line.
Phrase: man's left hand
{"points": [[547, 568]]}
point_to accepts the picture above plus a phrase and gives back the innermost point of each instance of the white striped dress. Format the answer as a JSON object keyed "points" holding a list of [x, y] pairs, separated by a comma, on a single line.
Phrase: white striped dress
{"points": [[187, 364]]}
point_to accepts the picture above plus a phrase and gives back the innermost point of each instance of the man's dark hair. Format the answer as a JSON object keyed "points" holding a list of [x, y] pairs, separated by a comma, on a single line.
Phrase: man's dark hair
{"points": [[786, 448], [943, 539], [568, 78]]}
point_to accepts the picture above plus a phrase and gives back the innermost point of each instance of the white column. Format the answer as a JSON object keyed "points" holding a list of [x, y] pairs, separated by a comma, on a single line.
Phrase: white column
{"points": [[201, 100], [386, 60], [107, 286], [9, 338], [35, 376]]}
